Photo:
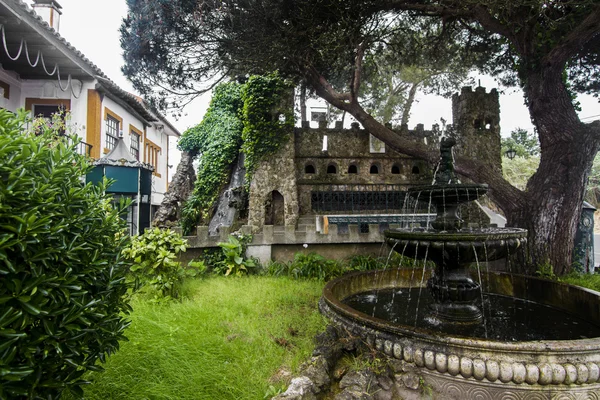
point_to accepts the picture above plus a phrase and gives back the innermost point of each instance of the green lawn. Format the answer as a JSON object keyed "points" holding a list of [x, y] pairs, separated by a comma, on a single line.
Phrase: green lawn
{"points": [[226, 340]]}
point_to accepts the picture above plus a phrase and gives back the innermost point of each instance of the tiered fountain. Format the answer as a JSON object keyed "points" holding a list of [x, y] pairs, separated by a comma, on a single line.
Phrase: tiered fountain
{"points": [[478, 333]]}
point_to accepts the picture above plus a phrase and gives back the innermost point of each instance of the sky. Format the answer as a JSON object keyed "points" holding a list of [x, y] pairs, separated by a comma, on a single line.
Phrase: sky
{"points": [[93, 28]]}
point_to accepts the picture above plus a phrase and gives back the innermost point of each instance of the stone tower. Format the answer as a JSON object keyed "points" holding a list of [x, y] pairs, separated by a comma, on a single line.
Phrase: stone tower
{"points": [[476, 118]]}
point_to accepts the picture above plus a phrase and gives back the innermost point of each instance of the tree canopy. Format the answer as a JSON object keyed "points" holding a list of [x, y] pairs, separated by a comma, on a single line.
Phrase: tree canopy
{"points": [[551, 48]]}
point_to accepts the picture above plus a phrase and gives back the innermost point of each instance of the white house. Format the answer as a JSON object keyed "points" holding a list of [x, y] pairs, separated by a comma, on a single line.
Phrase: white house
{"points": [[41, 72]]}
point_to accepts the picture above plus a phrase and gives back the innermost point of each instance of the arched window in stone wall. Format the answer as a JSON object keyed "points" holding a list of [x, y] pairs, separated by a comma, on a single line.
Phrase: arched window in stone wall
{"points": [[331, 169], [353, 169], [416, 170], [374, 169], [309, 169], [395, 169]]}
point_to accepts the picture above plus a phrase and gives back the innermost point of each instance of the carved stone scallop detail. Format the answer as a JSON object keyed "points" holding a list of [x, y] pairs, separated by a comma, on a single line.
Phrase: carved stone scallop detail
{"points": [[532, 374], [492, 372], [545, 374], [453, 365], [519, 373], [571, 374], [558, 374], [478, 369], [594, 372], [408, 354], [583, 374], [388, 347], [441, 362], [418, 358], [466, 367], [506, 372], [429, 357], [397, 351]]}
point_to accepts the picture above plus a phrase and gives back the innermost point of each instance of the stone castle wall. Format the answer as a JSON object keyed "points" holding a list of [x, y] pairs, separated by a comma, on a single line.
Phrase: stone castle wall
{"points": [[276, 173]]}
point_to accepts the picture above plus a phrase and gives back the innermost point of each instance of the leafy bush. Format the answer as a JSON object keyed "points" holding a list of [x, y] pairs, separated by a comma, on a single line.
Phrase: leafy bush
{"points": [[365, 263], [153, 256], [212, 257], [63, 293], [234, 262], [315, 266]]}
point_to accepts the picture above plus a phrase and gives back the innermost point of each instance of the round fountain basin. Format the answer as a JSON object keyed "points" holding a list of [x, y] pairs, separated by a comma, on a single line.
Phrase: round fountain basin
{"points": [[466, 246], [458, 366]]}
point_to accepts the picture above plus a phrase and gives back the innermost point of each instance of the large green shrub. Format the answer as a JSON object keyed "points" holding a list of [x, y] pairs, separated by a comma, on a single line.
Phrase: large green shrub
{"points": [[62, 280]]}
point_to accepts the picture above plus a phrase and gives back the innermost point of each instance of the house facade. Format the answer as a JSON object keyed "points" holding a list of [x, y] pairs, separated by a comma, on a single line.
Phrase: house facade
{"points": [[41, 72]]}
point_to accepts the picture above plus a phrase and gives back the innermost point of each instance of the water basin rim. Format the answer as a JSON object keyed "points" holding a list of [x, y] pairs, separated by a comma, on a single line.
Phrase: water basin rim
{"points": [[571, 346], [458, 236], [449, 187]]}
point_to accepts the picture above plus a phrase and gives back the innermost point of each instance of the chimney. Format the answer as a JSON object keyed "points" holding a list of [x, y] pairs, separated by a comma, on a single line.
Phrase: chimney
{"points": [[49, 10]]}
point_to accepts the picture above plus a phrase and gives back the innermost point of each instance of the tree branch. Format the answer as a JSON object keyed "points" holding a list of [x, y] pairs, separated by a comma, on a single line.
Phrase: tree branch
{"points": [[324, 89], [575, 40], [356, 77], [427, 9]]}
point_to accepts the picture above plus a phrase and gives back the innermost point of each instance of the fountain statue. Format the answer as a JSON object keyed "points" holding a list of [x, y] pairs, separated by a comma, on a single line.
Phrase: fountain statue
{"points": [[476, 334]]}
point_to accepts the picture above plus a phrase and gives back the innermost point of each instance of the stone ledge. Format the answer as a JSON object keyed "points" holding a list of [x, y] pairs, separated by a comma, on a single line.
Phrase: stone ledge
{"points": [[290, 236]]}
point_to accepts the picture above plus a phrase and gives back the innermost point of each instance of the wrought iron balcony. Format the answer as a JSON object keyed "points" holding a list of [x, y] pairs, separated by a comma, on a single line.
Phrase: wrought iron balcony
{"points": [[84, 149]]}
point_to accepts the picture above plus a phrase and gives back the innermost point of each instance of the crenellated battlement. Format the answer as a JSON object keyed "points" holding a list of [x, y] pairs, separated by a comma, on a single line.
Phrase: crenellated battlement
{"points": [[468, 91], [418, 129]]}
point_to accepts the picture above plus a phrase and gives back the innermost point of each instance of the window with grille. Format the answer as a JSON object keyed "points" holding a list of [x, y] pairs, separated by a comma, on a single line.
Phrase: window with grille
{"points": [[112, 132], [135, 145]]}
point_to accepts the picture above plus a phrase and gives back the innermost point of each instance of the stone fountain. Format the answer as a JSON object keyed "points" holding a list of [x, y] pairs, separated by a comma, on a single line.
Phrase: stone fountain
{"points": [[475, 334]]}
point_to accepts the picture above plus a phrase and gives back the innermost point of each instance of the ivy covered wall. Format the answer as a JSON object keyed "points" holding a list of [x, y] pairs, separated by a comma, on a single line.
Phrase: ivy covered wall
{"points": [[254, 118]]}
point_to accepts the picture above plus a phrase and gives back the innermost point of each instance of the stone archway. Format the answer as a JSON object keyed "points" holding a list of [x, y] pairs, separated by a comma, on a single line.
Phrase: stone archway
{"points": [[275, 209]]}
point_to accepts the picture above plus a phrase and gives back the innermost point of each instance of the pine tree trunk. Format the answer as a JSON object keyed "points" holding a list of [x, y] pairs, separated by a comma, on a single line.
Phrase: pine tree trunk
{"points": [[554, 195]]}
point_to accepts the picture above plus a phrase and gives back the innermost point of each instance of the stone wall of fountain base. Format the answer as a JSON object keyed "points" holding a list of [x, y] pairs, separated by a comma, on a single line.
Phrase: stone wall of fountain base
{"points": [[466, 368]]}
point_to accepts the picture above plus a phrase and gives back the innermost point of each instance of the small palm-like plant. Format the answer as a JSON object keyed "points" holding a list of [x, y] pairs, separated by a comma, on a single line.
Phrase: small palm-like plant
{"points": [[234, 262]]}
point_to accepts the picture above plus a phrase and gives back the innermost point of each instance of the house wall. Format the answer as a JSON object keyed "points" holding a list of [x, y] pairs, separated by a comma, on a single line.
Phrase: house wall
{"points": [[158, 136], [48, 91], [13, 83], [153, 144]]}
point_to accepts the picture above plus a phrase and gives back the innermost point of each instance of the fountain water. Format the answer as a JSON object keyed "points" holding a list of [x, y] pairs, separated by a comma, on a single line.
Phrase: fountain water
{"points": [[538, 339]]}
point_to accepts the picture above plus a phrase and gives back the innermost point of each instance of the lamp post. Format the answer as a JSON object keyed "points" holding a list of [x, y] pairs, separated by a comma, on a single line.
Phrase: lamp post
{"points": [[510, 153]]}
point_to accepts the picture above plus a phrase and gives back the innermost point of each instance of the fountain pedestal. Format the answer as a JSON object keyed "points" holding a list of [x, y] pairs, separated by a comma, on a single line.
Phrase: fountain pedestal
{"points": [[455, 293]]}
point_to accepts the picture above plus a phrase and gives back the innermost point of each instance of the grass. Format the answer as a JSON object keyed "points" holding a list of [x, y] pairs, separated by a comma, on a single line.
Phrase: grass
{"points": [[228, 339], [590, 281]]}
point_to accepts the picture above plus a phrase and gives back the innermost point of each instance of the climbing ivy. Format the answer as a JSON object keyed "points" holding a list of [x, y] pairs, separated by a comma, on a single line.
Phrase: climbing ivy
{"points": [[267, 118], [241, 117], [216, 140]]}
